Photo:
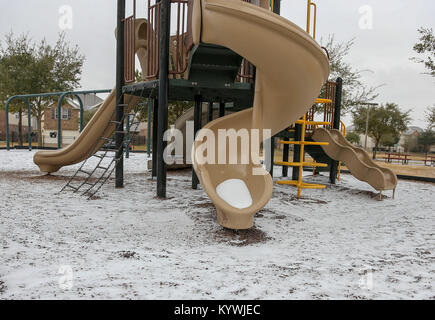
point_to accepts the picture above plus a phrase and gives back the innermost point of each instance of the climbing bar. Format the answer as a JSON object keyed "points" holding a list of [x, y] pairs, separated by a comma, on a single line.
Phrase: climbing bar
{"points": [[320, 100], [313, 123], [301, 164], [303, 185], [307, 143]]}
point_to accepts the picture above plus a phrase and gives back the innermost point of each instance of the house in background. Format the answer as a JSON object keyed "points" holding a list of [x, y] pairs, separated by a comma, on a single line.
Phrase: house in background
{"points": [[70, 119], [408, 141], [13, 126], [362, 139], [70, 115]]}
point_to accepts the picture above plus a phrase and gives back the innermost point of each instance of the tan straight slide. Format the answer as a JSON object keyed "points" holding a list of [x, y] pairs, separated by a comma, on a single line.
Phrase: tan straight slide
{"points": [[291, 69], [87, 142], [357, 160]]}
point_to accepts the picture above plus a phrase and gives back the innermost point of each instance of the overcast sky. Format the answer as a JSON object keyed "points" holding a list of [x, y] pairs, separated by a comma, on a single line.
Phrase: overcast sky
{"points": [[385, 49]]}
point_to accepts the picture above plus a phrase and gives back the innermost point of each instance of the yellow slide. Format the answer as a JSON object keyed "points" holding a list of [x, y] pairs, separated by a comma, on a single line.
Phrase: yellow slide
{"points": [[291, 69], [357, 160], [89, 140]]}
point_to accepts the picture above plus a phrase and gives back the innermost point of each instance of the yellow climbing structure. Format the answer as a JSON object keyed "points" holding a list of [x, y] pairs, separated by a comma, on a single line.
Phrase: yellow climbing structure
{"points": [[301, 164]]}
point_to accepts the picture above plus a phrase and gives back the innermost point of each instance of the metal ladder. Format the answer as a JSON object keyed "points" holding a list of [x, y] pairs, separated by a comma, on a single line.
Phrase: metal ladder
{"points": [[106, 161]]}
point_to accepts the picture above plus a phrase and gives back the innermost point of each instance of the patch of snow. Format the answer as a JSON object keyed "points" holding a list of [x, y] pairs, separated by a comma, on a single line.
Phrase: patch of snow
{"points": [[235, 192], [335, 243]]}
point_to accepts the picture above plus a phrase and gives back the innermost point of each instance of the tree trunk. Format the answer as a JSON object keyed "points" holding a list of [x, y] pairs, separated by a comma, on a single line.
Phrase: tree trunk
{"points": [[20, 127], [375, 149]]}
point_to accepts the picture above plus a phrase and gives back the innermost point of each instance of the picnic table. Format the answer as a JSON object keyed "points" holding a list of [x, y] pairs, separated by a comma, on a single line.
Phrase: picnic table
{"points": [[431, 160], [403, 157]]}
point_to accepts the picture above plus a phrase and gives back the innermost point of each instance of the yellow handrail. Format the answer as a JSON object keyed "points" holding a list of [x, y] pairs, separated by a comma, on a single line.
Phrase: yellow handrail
{"points": [[343, 128], [343, 131], [321, 100], [309, 5]]}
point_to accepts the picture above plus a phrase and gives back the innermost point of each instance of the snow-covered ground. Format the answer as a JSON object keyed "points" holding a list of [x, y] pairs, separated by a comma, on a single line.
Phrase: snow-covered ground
{"points": [[335, 243]]}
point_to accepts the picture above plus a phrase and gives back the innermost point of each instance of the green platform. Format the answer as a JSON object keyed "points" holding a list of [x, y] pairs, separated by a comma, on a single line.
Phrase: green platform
{"points": [[241, 94]]}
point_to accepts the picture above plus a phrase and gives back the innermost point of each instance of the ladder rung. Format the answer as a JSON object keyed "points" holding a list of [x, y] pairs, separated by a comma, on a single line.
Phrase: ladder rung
{"points": [[301, 164], [107, 139], [115, 122], [102, 168], [123, 105], [86, 172], [313, 122], [308, 143], [320, 100], [71, 187], [302, 185], [98, 156]]}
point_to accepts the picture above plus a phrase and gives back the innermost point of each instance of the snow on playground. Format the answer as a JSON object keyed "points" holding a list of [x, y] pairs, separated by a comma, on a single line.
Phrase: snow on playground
{"points": [[335, 243]]}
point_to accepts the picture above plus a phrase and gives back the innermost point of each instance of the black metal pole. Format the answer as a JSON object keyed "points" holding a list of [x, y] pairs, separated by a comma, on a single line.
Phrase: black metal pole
{"points": [[196, 127], [277, 6], [221, 109], [155, 126], [297, 151], [119, 136], [210, 112], [272, 155], [276, 9], [285, 157], [333, 170], [165, 27]]}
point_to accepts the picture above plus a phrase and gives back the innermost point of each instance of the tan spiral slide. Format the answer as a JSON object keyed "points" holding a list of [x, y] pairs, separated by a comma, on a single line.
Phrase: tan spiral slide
{"points": [[291, 69], [52, 161], [357, 160]]}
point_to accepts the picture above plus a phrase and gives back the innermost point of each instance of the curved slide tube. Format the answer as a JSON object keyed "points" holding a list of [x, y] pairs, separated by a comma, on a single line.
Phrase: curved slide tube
{"points": [[87, 142], [357, 160], [291, 69]]}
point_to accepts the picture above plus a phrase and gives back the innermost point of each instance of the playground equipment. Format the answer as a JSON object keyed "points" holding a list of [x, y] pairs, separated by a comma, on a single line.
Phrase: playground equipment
{"points": [[102, 125], [284, 91], [357, 160], [25, 98], [225, 51], [301, 163]]}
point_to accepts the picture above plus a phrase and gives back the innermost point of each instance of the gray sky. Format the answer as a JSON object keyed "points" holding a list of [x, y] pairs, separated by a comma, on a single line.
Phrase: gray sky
{"points": [[385, 49]]}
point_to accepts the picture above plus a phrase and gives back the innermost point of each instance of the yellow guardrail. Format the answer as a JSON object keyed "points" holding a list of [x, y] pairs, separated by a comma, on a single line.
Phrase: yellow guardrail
{"points": [[343, 131], [309, 6]]}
